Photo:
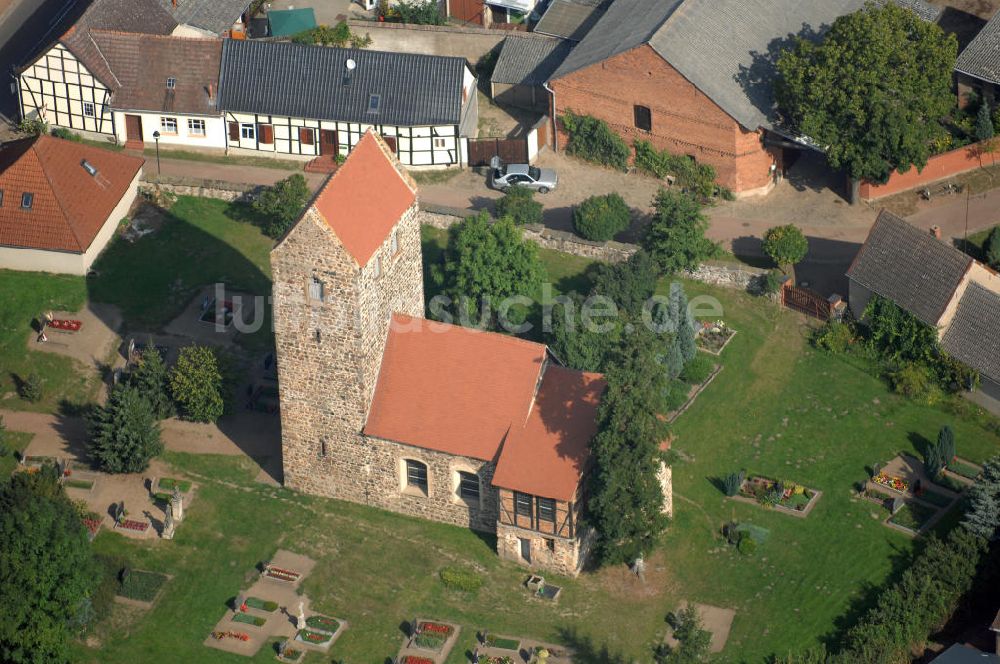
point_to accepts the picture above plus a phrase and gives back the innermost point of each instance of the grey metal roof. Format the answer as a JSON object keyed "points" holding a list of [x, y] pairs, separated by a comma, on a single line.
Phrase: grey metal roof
{"points": [[525, 61], [215, 16], [981, 58], [974, 334], [925, 10], [726, 48], [910, 267], [571, 19], [962, 654], [300, 81]]}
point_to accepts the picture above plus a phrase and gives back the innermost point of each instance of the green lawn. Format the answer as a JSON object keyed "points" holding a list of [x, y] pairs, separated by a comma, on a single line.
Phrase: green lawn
{"points": [[24, 296], [201, 242], [16, 441], [231, 160]]}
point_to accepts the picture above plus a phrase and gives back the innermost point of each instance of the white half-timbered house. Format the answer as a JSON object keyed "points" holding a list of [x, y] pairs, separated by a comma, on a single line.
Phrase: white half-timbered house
{"points": [[292, 99]]}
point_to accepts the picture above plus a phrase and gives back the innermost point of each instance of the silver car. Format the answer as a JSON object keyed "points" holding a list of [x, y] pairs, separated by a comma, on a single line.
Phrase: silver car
{"points": [[542, 180]]}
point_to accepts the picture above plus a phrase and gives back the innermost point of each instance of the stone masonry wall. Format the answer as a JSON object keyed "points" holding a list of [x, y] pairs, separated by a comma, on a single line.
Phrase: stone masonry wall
{"points": [[566, 557], [180, 186]]}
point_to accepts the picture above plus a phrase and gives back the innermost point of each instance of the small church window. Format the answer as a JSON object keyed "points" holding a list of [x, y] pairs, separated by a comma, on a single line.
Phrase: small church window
{"points": [[416, 475], [468, 486], [546, 510], [378, 266], [319, 336], [394, 242], [643, 118], [322, 448], [316, 289]]}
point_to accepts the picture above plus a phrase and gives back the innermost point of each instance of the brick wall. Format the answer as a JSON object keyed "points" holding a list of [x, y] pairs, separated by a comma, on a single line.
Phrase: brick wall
{"points": [[684, 120], [939, 167]]}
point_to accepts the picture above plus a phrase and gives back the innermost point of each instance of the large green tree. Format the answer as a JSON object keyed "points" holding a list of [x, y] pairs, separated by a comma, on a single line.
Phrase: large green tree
{"points": [[124, 434], [628, 284], [197, 385], [676, 235], [582, 341], [47, 573], [626, 499], [872, 91], [484, 265], [280, 204], [150, 378], [898, 335]]}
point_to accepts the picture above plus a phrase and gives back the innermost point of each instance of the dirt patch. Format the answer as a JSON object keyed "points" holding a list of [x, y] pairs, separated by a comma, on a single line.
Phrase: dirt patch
{"points": [[621, 581], [715, 619], [496, 121]]}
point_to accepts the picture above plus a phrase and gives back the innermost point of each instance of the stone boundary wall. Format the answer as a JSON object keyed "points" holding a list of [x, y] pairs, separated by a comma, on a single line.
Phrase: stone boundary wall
{"points": [[464, 42], [183, 186], [939, 167], [717, 273]]}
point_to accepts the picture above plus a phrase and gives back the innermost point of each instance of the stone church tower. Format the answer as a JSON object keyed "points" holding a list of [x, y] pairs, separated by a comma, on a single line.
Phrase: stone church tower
{"points": [[349, 263]]}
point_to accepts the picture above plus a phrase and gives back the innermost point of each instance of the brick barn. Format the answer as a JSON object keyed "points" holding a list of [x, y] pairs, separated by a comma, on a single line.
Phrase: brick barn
{"points": [[694, 77], [382, 407]]}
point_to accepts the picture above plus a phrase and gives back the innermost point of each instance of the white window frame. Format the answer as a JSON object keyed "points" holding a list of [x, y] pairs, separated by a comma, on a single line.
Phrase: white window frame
{"points": [[248, 131], [166, 122], [92, 109], [404, 478], [197, 127], [394, 242]]}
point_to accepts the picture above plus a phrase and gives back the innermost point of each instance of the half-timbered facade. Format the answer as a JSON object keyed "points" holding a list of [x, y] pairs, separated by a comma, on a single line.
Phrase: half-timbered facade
{"points": [[291, 99], [62, 91]]}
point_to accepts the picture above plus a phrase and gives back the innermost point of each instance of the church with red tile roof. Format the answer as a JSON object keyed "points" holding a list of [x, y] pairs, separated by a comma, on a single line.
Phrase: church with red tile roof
{"points": [[383, 407]]}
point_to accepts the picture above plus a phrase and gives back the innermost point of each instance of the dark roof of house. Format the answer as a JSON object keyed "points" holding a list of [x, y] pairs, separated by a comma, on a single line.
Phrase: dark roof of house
{"points": [[910, 267], [925, 10], [726, 48], [962, 654], [302, 81], [974, 334], [529, 61], [981, 58], [69, 206], [571, 19], [142, 64], [214, 16]]}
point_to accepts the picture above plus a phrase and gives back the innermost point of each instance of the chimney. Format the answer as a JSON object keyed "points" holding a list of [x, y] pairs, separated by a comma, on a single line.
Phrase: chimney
{"points": [[936, 231], [174, 3]]}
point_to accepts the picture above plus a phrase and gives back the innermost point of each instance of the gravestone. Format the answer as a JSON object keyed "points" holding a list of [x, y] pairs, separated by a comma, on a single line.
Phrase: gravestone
{"points": [[300, 622], [168, 524], [897, 504], [177, 503]]}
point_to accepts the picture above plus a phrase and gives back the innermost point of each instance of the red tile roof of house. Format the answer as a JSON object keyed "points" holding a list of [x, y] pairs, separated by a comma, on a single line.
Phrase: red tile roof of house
{"points": [[548, 455], [365, 197], [453, 389], [69, 205]]}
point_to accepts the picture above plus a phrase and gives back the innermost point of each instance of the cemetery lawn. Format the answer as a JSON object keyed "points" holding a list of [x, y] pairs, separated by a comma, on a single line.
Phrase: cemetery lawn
{"points": [[779, 408], [15, 442]]}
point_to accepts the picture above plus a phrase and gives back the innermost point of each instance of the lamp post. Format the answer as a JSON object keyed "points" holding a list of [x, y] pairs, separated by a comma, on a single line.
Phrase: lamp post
{"points": [[156, 137]]}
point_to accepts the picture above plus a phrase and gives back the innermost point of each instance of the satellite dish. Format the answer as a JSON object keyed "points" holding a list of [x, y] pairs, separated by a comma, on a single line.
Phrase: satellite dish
{"points": [[350, 64]]}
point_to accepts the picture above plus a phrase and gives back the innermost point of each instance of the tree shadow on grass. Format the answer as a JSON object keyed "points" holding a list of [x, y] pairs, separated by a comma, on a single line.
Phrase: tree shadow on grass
{"points": [[585, 651], [920, 443]]}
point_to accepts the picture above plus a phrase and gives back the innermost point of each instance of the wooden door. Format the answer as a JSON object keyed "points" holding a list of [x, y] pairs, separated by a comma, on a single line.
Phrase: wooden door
{"points": [[390, 142], [525, 549], [133, 128], [328, 141]]}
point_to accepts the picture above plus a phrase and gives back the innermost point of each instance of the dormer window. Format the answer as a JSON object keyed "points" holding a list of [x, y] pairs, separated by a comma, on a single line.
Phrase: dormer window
{"points": [[374, 101], [27, 199], [171, 83]]}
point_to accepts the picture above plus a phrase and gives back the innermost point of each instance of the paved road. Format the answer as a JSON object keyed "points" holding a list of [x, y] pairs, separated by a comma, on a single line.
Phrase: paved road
{"points": [[24, 29]]}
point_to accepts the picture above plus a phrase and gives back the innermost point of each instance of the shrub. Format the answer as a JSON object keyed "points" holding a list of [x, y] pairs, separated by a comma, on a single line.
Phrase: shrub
{"points": [[66, 134], [420, 12], [770, 283], [698, 369], [124, 434], [916, 382], [339, 35], [675, 395], [196, 384], [31, 388], [600, 218], [747, 545], [693, 640], [280, 204], [458, 578], [834, 337], [593, 140], [786, 245], [33, 126], [991, 248], [694, 178], [520, 205], [732, 482], [675, 237], [984, 124]]}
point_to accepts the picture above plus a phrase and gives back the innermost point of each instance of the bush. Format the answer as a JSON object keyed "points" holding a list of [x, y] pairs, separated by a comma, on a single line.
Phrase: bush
{"points": [[834, 337], [66, 134], [600, 218], [770, 283], [196, 384], [747, 545], [732, 482], [420, 12], [698, 369], [124, 434], [786, 245], [675, 237], [280, 204], [593, 140], [339, 35], [675, 395], [991, 248], [33, 126], [694, 178], [31, 388], [458, 578], [916, 382], [519, 204]]}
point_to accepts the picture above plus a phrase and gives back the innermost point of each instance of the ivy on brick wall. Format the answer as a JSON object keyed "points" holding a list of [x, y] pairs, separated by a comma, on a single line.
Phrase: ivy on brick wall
{"points": [[593, 140]]}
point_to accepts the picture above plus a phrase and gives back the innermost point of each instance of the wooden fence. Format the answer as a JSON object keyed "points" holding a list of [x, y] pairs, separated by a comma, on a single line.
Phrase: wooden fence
{"points": [[510, 150]]}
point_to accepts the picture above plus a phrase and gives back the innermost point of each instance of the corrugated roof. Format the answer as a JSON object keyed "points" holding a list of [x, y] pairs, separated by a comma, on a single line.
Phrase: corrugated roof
{"points": [[142, 64], [525, 61], [571, 19], [69, 206], [910, 267], [453, 389], [974, 334], [303, 81], [963, 654], [981, 58], [712, 43], [548, 455], [365, 198], [215, 16]]}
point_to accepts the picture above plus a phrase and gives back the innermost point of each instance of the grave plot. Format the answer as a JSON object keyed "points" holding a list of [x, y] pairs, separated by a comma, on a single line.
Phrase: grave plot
{"points": [[429, 642], [498, 649], [911, 501], [782, 495]]}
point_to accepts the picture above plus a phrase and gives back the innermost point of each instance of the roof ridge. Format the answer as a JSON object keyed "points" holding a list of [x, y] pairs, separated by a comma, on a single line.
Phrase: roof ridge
{"points": [[55, 191], [90, 36], [476, 330], [146, 36]]}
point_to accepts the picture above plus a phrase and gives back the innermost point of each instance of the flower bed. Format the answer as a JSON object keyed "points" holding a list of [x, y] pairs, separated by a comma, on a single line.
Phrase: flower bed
{"points": [[230, 634], [891, 482], [323, 624], [169, 483], [432, 635], [413, 659], [282, 574], [315, 638], [713, 337], [137, 526], [261, 604], [92, 525], [291, 654], [781, 495], [496, 659], [248, 619], [65, 325], [913, 516], [141, 586]]}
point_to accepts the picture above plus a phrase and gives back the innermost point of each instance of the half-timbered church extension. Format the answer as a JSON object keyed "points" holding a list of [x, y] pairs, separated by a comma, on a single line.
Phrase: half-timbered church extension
{"points": [[382, 407]]}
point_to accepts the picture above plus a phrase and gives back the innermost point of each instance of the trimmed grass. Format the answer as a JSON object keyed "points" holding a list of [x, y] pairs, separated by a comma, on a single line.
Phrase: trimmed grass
{"points": [[168, 484], [261, 604], [233, 160], [248, 619], [323, 623], [16, 442], [913, 516], [200, 243], [503, 643], [23, 298], [434, 177], [965, 470], [141, 586]]}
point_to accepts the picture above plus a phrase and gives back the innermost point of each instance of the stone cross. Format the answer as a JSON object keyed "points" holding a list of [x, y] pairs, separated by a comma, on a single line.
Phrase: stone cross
{"points": [[300, 622], [177, 502], [168, 524]]}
